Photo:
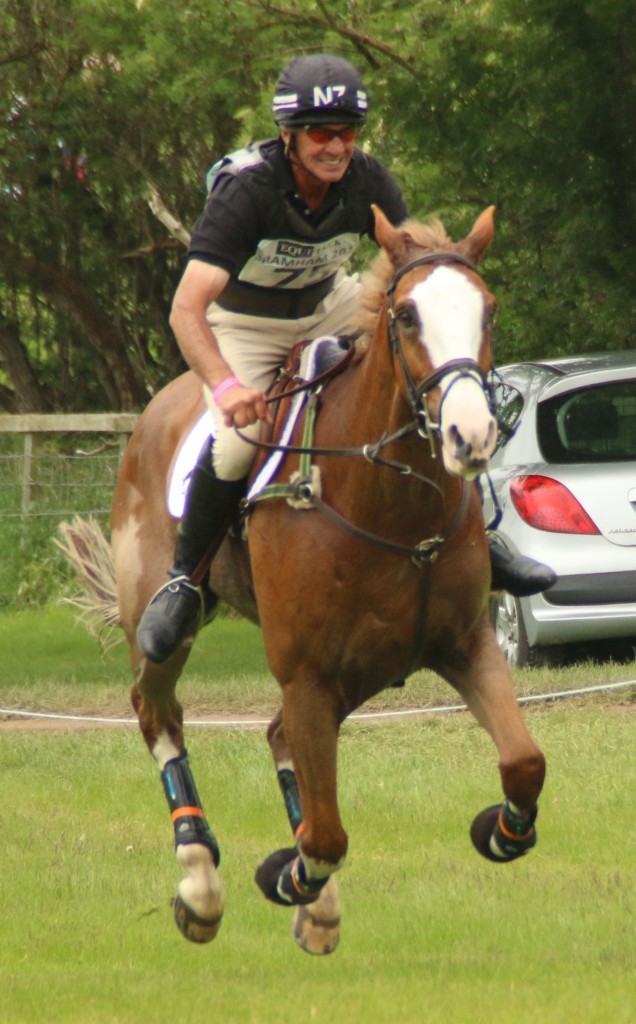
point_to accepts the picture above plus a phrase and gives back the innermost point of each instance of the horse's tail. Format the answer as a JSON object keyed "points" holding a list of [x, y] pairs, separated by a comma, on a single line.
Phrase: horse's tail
{"points": [[84, 545]]}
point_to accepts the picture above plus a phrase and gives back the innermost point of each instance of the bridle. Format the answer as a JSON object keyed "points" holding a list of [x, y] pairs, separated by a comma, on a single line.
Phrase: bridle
{"points": [[304, 492], [417, 392]]}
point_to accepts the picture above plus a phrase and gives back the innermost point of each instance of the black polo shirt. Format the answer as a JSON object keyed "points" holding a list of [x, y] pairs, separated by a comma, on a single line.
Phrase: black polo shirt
{"points": [[282, 257]]}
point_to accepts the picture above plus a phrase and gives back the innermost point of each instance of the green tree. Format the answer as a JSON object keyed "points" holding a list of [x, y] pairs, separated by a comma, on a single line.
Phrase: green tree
{"points": [[529, 106], [101, 99]]}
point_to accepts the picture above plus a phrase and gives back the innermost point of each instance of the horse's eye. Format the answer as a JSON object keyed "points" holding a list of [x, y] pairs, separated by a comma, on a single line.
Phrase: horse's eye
{"points": [[407, 318]]}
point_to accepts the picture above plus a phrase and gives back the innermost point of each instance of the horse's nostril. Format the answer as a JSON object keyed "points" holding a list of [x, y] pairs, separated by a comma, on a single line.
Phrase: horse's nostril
{"points": [[464, 449], [472, 448]]}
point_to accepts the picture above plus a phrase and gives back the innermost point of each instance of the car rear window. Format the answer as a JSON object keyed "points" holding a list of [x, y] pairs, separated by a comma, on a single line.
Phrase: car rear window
{"points": [[594, 424]]}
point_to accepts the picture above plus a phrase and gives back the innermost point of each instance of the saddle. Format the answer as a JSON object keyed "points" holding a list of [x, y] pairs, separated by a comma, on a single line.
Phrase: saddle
{"points": [[309, 365], [330, 356]]}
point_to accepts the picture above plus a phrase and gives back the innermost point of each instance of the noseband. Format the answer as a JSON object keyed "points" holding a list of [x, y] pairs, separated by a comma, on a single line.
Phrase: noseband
{"points": [[464, 367]]}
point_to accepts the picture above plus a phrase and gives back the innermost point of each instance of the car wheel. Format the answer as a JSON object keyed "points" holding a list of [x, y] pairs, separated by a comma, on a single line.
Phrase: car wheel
{"points": [[510, 631]]}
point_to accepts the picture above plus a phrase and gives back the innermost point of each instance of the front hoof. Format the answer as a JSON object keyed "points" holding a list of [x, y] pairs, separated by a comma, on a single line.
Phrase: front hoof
{"points": [[192, 927], [494, 842], [316, 927], [268, 874]]}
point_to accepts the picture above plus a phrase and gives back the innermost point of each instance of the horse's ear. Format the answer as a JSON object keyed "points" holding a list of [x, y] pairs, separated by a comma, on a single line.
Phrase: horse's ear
{"points": [[481, 235], [393, 241]]}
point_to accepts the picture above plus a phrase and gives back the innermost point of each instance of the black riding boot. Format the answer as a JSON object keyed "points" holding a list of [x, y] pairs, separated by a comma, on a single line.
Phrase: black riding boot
{"points": [[176, 611], [519, 575]]}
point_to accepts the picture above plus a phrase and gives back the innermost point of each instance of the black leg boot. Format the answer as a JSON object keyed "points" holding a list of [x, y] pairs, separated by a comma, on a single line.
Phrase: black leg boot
{"points": [[517, 574], [176, 611]]}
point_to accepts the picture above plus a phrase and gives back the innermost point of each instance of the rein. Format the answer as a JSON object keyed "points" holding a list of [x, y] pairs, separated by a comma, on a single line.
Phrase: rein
{"points": [[303, 489], [321, 378], [424, 552]]}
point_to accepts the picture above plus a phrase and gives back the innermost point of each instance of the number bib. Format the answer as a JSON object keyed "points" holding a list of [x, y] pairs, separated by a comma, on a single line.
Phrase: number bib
{"points": [[281, 263]]}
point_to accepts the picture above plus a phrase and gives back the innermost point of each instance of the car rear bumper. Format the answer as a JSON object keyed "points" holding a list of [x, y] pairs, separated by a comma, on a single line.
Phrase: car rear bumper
{"points": [[548, 622], [598, 588]]}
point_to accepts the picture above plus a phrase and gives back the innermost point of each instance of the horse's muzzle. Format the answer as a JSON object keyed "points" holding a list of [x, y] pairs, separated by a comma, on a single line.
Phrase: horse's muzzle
{"points": [[467, 452]]}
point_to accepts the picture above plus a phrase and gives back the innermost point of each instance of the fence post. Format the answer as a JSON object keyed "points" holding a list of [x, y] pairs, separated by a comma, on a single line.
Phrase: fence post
{"points": [[32, 425], [27, 480]]}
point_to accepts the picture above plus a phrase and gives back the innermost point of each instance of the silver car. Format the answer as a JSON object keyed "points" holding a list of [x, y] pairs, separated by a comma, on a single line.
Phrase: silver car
{"points": [[564, 477]]}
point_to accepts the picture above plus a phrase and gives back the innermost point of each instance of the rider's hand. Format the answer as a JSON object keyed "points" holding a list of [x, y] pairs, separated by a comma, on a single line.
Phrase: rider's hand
{"points": [[241, 406]]}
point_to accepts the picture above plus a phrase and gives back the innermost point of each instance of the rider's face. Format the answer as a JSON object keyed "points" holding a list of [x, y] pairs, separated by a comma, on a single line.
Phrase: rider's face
{"points": [[326, 160]]}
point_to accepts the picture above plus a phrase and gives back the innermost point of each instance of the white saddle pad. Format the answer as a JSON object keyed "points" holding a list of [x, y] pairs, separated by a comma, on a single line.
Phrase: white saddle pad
{"points": [[306, 371], [186, 461], [205, 427]]}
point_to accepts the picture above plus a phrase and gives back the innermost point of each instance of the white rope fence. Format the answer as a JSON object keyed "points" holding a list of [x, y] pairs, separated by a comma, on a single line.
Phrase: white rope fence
{"points": [[361, 716]]}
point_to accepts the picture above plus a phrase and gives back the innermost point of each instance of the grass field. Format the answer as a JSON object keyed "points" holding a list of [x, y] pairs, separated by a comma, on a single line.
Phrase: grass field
{"points": [[432, 933], [50, 662]]}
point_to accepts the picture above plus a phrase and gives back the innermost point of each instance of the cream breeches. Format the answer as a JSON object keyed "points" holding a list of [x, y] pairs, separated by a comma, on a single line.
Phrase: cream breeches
{"points": [[255, 347]]}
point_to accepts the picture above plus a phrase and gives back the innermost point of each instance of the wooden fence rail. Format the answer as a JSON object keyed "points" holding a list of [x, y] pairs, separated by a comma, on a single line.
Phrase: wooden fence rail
{"points": [[31, 425], [68, 423]]}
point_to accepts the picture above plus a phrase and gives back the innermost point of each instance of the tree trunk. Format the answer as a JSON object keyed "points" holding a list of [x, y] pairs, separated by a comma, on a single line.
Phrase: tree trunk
{"points": [[66, 291], [27, 395]]}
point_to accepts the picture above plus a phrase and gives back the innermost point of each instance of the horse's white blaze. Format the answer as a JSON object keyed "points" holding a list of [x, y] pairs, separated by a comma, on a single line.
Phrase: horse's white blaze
{"points": [[468, 429], [452, 311]]}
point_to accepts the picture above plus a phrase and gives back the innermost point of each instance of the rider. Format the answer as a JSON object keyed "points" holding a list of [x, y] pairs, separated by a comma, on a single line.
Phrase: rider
{"points": [[265, 270]]}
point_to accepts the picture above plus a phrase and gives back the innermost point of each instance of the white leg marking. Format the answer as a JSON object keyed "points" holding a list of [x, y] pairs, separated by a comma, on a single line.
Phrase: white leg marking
{"points": [[164, 750], [316, 926], [320, 868], [201, 888]]}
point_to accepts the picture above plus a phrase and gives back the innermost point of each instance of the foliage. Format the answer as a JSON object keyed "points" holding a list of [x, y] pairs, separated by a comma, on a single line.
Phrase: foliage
{"points": [[528, 106]]}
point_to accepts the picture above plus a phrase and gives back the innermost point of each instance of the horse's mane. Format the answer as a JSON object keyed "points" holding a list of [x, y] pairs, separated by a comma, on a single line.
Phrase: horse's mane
{"points": [[430, 236]]}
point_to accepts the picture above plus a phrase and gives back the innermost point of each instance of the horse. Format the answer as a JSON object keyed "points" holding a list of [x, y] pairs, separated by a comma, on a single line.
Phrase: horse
{"points": [[365, 561]]}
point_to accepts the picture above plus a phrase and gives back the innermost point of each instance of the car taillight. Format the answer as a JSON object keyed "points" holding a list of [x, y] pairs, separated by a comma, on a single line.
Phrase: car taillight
{"points": [[546, 504]]}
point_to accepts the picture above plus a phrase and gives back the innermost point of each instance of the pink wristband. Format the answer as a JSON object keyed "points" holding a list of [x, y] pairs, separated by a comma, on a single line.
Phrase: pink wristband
{"points": [[225, 385]]}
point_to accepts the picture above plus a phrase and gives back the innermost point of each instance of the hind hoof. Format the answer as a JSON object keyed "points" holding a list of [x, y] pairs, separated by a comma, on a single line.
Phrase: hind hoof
{"points": [[194, 928]]}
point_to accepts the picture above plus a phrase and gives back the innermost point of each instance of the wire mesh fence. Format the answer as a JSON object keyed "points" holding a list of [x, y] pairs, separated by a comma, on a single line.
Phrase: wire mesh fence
{"points": [[47, 478]]}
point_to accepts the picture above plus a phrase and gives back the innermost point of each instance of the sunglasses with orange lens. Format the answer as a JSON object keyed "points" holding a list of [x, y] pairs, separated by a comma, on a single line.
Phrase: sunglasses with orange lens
{"points": [[321, 136]]}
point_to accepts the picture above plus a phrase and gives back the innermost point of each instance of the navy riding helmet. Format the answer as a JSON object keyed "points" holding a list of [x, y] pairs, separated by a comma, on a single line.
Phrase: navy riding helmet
{"points": [[319, 89]]}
